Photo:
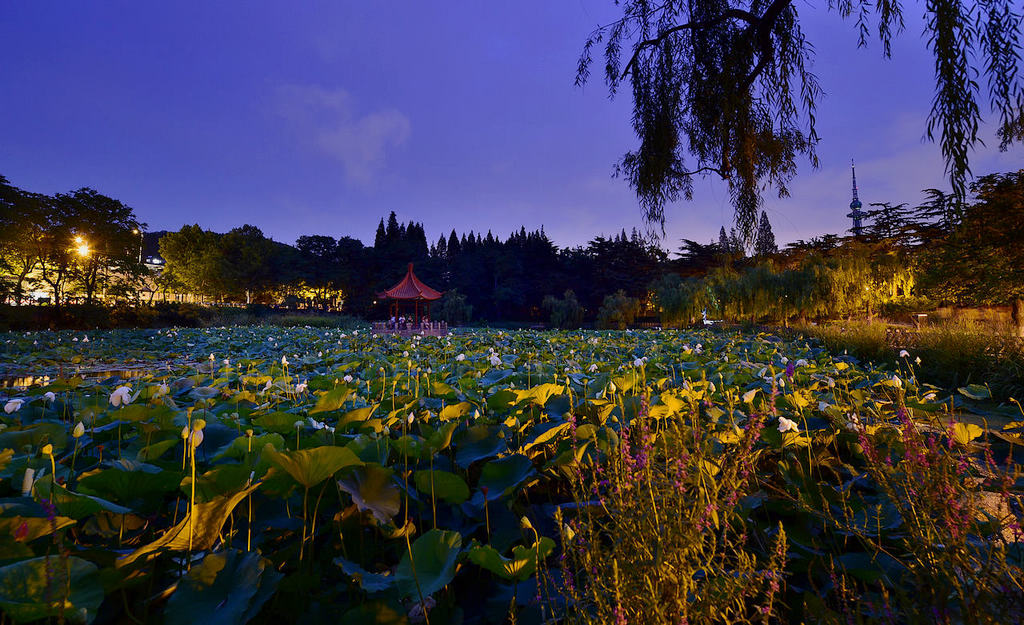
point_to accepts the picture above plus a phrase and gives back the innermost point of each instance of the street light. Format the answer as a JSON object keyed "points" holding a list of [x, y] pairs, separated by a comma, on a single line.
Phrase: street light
{"points": [[81, 246]]}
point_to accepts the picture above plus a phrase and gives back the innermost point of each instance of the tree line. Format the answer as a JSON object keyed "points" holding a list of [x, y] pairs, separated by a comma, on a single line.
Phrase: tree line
{"points": [[941, 251]]}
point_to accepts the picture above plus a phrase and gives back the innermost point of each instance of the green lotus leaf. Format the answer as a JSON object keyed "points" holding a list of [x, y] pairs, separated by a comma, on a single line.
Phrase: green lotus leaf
{"points": [[370, 582], [226, 588], [331, 400], [372, 488], [141, 487], [48, 587], [199, 530], [500, 476], [74, 505], [238, 448], [455, 411], [309, 467], [520, 566], [975, 391], [476, 443], [444, 485], [434, 554]]}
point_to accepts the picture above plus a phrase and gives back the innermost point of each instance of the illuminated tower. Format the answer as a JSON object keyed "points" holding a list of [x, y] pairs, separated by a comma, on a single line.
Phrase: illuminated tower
{"points": [[856, 214]]}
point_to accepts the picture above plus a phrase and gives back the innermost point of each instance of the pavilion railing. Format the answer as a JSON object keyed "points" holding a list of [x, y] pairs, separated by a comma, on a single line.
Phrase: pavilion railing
{"points": [[423, 328]]}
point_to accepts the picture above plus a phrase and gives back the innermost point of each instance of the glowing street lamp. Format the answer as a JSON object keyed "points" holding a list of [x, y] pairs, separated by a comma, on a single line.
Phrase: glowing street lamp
{"points": [[81, 246]]}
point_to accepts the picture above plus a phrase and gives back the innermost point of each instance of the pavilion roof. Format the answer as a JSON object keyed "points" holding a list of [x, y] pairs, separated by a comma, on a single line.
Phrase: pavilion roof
{"points": [[410, 288]]}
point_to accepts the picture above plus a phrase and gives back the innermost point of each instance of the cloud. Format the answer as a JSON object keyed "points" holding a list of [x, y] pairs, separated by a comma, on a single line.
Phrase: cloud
{"points": [[327, 120]]}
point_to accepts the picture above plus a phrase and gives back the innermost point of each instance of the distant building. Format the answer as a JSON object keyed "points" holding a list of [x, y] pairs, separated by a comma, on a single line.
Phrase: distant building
{"points": [[856, 214]]}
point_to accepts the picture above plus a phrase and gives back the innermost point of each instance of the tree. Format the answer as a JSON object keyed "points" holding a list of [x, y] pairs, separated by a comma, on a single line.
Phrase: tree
{"points": [[566, 313], [191, 256], [112, 240], [22, 223], [318, 271], [453, 309], [982, 260], [617, 311], [727, 82], [764, 241], [245, 260]]}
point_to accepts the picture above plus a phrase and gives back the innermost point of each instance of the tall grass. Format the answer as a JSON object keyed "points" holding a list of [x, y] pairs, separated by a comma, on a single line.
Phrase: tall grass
{"points": [[951, 354], [726, 519]]}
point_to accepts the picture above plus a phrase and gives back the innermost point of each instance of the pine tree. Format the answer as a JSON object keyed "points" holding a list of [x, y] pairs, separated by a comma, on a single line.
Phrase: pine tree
{"points": [[378, 240], [735, 244], [764, 241], [723, 241]]}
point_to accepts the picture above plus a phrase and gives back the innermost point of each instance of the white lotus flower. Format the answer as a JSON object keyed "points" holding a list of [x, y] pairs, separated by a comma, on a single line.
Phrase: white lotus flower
{"points": [[638, 362], [896, 381], [301, 387], [411, 418], [801, 363], [787, 425], [904, 353], [822, 406], [79, 430], [266, 388], [161, 390], [591, 368], [711, 387], [211, 357], [405, 354], [13, 405], [460, 357], [831, 383], [85, 339], [317, 425], [347, 378], [121, 395], [494, 360], [748, 397], [284, 360], [49, 396]]}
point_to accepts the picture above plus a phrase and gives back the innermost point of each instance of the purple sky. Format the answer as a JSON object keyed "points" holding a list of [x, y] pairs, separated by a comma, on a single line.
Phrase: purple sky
{"points": [[319, 118]]}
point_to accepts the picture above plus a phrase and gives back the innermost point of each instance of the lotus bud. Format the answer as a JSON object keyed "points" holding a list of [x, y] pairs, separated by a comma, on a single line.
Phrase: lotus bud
{"points": [[197, 438], [27, 481], [184, 433], [49, 396], [525, 524], [248, 432], [79, 430], [47, 449], [567, 532]]}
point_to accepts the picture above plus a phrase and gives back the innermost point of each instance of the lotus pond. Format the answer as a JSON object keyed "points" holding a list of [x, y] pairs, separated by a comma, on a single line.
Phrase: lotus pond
{"points": [[257, 474]]}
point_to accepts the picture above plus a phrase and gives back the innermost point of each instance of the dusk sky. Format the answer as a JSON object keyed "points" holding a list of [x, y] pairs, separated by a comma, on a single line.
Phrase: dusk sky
{"points": [[320, 118]]}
